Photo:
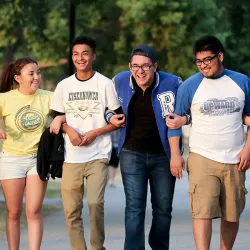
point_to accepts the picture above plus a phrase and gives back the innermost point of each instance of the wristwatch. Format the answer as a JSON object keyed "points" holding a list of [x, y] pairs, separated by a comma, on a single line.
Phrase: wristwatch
{"points": [[188, 117], [108, 114]]}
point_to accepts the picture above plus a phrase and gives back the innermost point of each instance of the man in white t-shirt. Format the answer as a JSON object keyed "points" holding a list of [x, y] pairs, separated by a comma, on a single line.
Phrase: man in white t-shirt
{"points": [[84, 97], [216, 98]]}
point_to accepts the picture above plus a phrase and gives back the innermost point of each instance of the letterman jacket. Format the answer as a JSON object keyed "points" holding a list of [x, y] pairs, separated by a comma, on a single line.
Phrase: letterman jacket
{"points": [[163, 102]]}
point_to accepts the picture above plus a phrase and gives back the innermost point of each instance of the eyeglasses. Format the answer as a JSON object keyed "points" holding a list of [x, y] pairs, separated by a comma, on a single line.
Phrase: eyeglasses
{"points": [[206, 60], [144, 67]]}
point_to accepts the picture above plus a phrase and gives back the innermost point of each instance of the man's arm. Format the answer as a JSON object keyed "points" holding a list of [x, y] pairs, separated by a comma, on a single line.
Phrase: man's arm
{"points": [[182, 107], [87, 138], [177, 163], [74, 137], [115, 117], [90, 136], [113, 108], [60, 119], [246, 120], [181, 111], [174, 121], [244, 155]]}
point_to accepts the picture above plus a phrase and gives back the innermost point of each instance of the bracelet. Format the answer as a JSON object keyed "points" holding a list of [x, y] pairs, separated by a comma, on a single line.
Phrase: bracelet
{"points": [[109, 114], [188, 117]]}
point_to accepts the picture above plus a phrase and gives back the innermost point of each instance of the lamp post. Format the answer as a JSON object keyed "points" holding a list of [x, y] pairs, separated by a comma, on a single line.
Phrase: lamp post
{"points": [[72, 17]]}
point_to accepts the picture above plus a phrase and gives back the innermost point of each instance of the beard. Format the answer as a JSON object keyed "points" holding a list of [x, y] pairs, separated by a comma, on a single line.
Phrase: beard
{"points": [[217, 72]]}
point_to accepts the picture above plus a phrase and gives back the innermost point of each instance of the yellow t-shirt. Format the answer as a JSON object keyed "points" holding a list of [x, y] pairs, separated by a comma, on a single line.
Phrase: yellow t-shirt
{"points": [[25, 118]]}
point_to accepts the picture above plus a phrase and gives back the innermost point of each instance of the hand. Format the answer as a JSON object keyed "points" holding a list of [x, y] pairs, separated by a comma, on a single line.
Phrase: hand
{"points": [[177, 164], [244, 159], [174, 121], [118, 120], [3, 135], [74, 137], [88, 138], [55, 125], [246, 120]]}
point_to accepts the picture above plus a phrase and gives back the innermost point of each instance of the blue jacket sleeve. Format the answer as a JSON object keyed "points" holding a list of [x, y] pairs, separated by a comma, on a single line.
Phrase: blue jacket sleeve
{"points": [[244, 83], [182, 106], [247, 101]]}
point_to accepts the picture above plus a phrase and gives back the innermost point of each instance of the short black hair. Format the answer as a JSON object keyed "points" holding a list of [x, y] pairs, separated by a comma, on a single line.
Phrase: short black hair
{"points": [[210, 43], [84, 40]]}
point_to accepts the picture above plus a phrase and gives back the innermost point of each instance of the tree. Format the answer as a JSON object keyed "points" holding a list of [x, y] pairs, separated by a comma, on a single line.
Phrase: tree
{"points": [[37, 28], [170, 26], [237, 42], [100, 20], [40, 29]]}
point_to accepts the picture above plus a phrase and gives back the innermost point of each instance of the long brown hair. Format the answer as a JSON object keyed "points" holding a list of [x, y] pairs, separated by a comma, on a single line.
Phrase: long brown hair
{"points": [[14, 68]]}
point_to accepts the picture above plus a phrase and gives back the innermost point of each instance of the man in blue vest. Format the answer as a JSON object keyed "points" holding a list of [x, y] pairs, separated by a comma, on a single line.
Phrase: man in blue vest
{"points": [[146, 96]]}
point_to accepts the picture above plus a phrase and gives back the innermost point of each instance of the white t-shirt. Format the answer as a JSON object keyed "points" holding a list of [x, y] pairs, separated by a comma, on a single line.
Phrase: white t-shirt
{"points": [[84, 103], [217, 131], [216, 107]]}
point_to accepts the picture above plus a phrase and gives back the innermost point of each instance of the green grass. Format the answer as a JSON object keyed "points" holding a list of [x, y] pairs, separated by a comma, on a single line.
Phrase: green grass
{"points": [[53, 190], [53, 193]]}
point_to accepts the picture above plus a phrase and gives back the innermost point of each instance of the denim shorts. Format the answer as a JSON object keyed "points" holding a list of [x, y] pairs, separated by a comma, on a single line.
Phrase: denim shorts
{"points": [[13, 167]]}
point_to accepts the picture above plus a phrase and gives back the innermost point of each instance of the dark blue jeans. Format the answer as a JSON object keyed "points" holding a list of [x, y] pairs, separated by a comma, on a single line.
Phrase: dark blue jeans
{"points": [[137, 170]]}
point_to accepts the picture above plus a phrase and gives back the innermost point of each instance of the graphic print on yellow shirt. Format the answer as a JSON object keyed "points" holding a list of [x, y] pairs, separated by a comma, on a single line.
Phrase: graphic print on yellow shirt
{"points": [[25, 118], [29, 119]]}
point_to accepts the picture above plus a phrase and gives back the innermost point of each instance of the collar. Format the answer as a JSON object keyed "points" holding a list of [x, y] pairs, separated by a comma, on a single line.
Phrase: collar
{"points": [[220, 75], [85, 79]]}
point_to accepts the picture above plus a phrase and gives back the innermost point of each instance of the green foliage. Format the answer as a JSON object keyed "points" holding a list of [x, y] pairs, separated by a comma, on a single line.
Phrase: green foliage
{"points": [[237, 42], [40, 29], [100, 20]]}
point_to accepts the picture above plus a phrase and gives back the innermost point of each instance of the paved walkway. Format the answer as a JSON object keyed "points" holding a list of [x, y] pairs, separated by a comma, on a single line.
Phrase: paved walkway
{"points": [[55, 235]]}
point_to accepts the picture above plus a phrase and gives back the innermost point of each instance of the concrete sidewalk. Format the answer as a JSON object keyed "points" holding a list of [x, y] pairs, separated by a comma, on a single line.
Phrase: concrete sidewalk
{"points": [[55, 234]]}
